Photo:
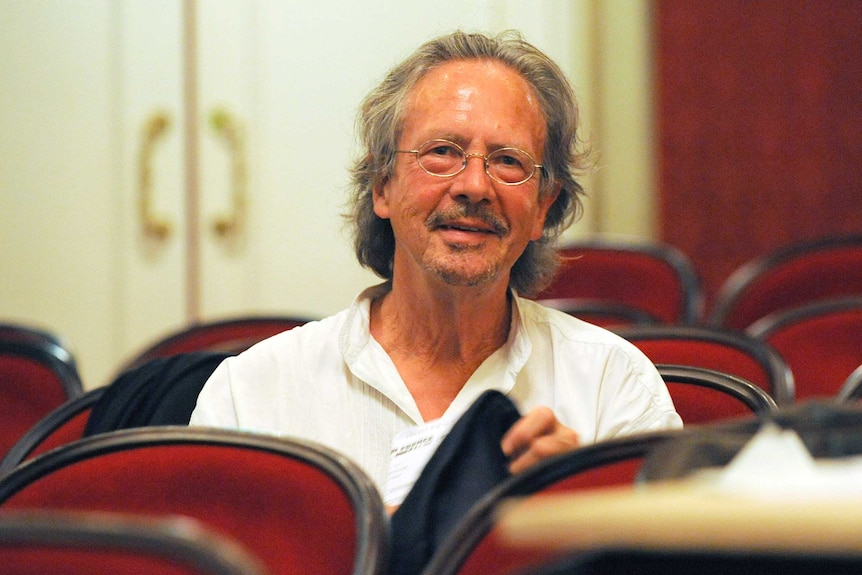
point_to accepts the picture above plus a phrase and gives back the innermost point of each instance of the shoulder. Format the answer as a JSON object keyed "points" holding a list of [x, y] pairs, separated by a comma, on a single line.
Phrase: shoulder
{"points": [[567, 329], [583, 350], [291, 347], [252, 390], [623, 383]]}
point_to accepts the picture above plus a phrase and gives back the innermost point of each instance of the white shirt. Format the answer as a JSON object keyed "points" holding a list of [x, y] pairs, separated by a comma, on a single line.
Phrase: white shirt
{"points": [[329, 381]]}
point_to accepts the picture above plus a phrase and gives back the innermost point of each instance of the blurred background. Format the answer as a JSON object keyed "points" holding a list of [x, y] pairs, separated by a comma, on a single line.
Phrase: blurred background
{"points": [[164, 162]]}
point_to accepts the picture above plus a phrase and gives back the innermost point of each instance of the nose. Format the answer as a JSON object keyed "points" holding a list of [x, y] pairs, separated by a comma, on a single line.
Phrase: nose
{"points": [[473, 183]]}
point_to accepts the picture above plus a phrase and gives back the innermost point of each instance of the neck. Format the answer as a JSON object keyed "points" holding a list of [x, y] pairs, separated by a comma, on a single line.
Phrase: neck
{"points": [[452, 324], [437, 339]]}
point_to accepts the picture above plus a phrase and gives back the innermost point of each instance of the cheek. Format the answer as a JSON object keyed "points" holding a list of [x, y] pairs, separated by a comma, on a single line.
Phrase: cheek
{"points": [[531, 217]]}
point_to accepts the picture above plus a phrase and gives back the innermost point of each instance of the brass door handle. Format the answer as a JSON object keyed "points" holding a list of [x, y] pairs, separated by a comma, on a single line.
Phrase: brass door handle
{"points": [[154, 129], [230, 131]]}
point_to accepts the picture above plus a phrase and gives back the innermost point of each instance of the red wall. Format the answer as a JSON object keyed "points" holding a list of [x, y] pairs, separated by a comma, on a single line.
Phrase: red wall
{"points": [[760, 126]]}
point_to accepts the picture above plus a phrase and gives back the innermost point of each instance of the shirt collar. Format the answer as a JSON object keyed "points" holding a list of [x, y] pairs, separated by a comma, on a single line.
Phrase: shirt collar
{"points": [[367, 360]]}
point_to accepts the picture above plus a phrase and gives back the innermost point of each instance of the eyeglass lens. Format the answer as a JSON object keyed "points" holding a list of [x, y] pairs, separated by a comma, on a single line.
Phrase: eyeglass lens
{"points": [[506, 165]]}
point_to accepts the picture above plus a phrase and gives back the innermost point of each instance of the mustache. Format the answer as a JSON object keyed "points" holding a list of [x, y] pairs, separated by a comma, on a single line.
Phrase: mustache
{"points": [[473, 211]]}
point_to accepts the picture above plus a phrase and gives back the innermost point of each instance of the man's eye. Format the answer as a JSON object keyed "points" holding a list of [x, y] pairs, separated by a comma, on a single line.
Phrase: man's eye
{"points": [[443, 151], [508, 160]]}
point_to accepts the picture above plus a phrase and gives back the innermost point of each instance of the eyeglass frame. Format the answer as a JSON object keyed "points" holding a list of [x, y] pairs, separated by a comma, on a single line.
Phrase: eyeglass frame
{"points": [[536, 167]]}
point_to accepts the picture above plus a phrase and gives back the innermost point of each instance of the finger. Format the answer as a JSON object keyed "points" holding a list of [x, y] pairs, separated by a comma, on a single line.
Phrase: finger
{"points": [[561, 441], [540, 421]]}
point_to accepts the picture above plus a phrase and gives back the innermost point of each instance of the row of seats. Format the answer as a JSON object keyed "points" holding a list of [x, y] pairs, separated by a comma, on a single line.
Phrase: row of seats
{"points": [[128, 463], [284, 506], [483, 557], [803, 300], [163, 391], [47, 405], [713, 373], [662, 285], [805, 352]]}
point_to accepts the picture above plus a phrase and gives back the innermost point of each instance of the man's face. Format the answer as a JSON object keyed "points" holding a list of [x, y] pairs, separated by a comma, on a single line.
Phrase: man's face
{"points": [[468, 229]]}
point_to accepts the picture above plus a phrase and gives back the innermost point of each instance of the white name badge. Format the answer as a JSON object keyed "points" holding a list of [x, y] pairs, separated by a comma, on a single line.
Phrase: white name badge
{"points": [[410, 452]]}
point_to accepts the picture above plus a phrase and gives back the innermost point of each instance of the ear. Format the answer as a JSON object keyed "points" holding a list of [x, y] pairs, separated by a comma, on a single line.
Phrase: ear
{"points": [[379, 197], [545, 202]]}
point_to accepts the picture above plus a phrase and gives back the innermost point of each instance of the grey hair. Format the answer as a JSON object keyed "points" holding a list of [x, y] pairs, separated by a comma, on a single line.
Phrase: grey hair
{"points": [[380, 123]]}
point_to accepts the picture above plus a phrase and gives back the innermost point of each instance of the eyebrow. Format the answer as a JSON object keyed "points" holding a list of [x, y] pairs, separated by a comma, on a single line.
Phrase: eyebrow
{"points": [[462, 141]]}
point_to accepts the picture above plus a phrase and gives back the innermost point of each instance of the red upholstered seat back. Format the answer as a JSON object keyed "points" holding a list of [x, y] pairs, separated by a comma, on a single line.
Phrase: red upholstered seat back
{"points": [[492, 552], [38, 373], [654, 278], [793, 276], [29, 391], [698, 405], [288, 510], [722, 350], [230, 335], [711, 355], [822, 343]]}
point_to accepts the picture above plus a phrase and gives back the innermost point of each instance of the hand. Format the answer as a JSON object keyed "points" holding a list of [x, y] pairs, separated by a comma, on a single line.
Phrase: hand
{"points": [[536, 436]]}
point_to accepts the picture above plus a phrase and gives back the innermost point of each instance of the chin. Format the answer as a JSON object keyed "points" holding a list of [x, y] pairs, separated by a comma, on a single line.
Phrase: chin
{"points": [[460, 276]]}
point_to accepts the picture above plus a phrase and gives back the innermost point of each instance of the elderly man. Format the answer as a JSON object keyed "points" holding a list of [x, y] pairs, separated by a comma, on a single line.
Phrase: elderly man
{"points": [[468, 176]]}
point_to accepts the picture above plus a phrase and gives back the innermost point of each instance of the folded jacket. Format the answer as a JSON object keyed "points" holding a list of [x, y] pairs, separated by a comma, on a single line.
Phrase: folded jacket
{"points": [[468, 463]]}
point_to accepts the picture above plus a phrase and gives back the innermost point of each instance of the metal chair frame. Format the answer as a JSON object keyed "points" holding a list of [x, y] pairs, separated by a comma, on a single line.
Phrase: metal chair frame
{"points": [[753, 397], [180, 541], [46, 348], [750, 275], [37, 435], [851, 389], [779, 382]]}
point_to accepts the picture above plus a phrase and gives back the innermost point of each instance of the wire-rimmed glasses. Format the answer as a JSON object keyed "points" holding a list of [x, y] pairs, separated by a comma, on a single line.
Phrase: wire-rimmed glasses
{"points": [[507, 166]]}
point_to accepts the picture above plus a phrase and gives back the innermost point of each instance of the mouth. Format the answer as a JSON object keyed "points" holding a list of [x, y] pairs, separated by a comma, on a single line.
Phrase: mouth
{"points": [[467, 228], [471, 223]]}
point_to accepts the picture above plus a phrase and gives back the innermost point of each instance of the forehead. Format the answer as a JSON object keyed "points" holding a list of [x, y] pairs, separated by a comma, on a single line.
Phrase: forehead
{"points": [[475, 98]]}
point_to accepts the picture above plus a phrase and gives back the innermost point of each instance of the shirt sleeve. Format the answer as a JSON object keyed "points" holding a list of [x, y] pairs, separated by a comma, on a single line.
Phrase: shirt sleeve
{"points": [[656, 411], [215, 405], [640, 400]]}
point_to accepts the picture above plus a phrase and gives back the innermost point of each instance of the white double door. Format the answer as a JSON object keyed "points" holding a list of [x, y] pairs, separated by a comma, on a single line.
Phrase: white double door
{"points": [[129, 128]]}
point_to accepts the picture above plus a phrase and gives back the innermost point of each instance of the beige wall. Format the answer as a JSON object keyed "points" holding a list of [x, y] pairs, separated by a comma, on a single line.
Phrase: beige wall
{"points": [[604, 46], [625, 183]]}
